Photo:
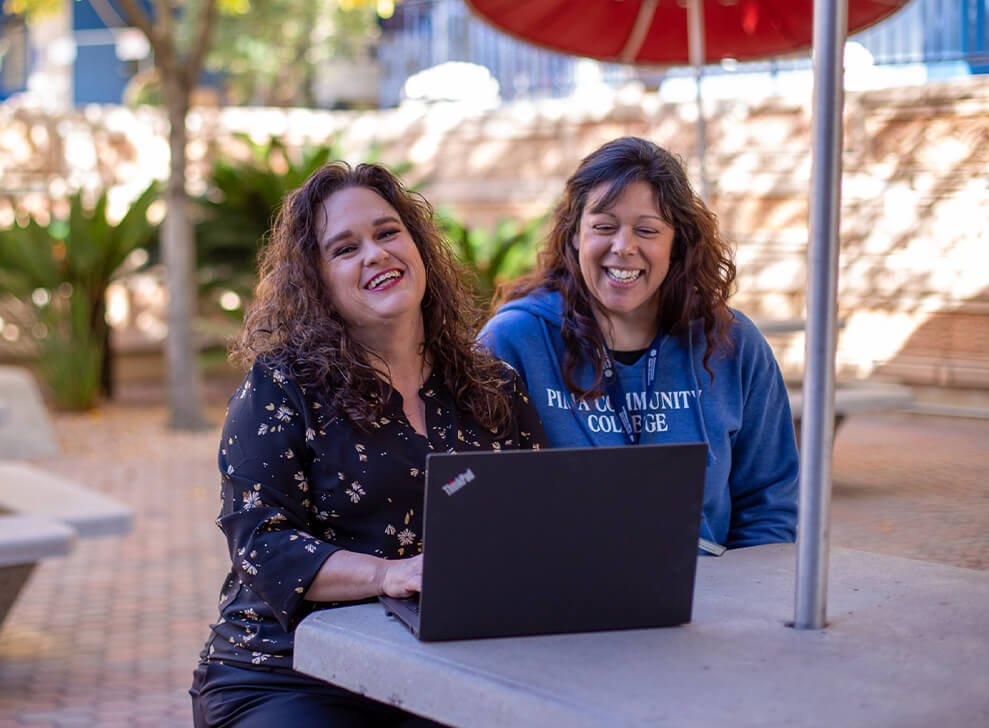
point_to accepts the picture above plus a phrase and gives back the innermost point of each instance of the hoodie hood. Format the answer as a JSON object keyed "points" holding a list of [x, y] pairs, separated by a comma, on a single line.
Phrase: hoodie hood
{"points": [[544, 304]]}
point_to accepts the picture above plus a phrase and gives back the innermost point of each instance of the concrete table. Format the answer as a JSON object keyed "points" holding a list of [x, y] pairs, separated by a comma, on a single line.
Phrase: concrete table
{"points": [[24, 540], [42, 515], [26, 488], [907, 645]]}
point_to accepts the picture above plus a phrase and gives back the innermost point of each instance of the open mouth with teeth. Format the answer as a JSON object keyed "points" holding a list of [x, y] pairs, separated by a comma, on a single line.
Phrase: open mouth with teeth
{"points": [[385, 280], [623, 275]]}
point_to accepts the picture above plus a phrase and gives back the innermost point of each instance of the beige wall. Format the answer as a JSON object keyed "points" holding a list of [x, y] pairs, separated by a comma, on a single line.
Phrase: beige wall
{"points": [[914, 278]]}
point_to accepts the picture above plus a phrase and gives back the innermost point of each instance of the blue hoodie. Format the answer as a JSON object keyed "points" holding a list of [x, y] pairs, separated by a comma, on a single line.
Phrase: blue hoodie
{"points": [[750, 489]]}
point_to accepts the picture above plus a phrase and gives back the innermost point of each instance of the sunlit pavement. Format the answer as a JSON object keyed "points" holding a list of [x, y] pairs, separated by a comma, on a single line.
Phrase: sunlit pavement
{"points": [[109, 635]]}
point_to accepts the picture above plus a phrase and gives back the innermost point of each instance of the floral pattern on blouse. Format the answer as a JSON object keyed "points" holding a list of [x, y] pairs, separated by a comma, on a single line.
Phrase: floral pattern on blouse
{"points": [[299, 482]]}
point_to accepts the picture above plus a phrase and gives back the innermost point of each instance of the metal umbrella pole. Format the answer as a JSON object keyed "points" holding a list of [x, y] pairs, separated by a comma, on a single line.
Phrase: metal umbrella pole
{"points": [[696, 52], [817, 420]]}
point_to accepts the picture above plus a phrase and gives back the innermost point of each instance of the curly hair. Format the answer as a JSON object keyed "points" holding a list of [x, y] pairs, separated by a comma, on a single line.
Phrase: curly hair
{"points": [[292, 324], [701, 273]]}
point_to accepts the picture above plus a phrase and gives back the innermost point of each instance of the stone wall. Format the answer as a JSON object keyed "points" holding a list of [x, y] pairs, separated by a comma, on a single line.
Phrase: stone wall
{"points": [[914, 286]]}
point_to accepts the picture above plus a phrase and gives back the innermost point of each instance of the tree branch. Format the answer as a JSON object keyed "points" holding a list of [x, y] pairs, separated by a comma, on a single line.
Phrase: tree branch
{"points": [[107, 13], [135, 16], [166, 23], [194, 64], [159, 34]]}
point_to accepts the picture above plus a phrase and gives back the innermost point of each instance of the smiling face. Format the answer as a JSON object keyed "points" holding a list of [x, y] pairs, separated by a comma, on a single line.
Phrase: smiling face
{"points": [[369, 263], [624, 254]]}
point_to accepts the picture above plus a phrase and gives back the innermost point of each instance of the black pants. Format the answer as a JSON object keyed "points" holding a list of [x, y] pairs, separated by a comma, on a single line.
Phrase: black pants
{"points": [[225, 696]]}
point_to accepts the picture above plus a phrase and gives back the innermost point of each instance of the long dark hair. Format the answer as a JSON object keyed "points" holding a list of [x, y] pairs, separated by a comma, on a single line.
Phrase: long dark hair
{"points": [[292, 325], [701, 274]]}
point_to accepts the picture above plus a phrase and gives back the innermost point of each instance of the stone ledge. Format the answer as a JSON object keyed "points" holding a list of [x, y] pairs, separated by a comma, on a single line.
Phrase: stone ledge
{"points": [[858, 397]]}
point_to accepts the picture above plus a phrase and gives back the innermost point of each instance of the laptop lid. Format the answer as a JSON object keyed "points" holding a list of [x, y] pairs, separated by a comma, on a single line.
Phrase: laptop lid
{"points": [[564, 540]]}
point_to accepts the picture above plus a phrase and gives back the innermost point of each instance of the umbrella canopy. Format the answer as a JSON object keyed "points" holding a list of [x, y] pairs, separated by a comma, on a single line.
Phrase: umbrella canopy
{"points": [[672, 32], [654, 32]]}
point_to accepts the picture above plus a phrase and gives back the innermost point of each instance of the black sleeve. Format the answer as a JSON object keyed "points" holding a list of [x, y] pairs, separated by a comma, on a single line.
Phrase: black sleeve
{"points": [[265, 492]]}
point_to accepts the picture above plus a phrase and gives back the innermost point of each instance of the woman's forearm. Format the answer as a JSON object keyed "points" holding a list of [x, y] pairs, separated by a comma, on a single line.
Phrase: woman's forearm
{"points": [[348, 576]]}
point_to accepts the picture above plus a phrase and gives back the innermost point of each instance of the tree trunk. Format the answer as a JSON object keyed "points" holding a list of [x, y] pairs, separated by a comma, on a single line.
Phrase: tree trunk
{"points": [[181, 353]]}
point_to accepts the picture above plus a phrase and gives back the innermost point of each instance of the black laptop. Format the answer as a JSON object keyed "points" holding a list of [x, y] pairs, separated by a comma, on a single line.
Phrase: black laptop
{"points": [[567, 540]]}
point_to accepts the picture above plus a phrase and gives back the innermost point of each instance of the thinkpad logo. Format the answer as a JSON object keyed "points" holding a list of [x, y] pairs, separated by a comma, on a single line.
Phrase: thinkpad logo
{"points": [[459, 482]]}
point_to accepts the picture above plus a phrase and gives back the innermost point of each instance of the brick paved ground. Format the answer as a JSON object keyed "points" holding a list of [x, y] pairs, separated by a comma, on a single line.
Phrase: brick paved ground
{"points": [[914, 486], [109, 636]]}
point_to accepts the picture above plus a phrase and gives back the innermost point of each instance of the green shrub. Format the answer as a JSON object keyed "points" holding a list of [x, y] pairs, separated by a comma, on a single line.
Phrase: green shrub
{"points": [[63, 269], [239, 207], [494, 255]]}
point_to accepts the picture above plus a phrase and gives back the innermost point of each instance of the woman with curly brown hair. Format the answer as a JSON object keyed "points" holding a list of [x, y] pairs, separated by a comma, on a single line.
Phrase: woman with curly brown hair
{"points": [[362, 360], [624, 336]]}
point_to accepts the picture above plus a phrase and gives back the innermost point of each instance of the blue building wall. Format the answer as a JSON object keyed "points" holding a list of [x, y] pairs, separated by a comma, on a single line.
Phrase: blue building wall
{"points": [[932, 32], [98, 76], [975, 41]]}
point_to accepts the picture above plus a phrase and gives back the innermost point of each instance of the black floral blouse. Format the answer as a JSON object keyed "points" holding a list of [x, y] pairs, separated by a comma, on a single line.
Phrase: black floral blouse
{"points": [[300, 482]]}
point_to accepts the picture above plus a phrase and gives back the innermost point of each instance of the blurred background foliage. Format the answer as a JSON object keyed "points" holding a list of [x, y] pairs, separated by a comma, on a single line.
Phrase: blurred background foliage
{"points": [[271, 52], [495, 255], [242, 198], [276, 52], [60, 269]]}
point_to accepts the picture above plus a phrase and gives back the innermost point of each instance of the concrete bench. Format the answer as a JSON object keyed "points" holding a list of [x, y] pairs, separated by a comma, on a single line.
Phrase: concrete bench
{"points": [[856, 397], [24, 540], [27, 489], [849, 398], [41, 515], [25, 430]]}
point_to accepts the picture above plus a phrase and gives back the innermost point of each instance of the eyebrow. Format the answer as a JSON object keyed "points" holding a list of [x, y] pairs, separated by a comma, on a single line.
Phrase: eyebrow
{"points": [[607, 211], [348, 233]]}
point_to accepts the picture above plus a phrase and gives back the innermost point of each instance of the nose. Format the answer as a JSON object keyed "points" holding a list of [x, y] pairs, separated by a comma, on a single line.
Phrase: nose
{"points": [[623, 242], [374, 252]]}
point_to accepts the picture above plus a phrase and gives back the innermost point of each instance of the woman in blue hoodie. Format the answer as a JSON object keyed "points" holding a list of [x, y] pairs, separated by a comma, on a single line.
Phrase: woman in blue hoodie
{"points": [[624, 336]]}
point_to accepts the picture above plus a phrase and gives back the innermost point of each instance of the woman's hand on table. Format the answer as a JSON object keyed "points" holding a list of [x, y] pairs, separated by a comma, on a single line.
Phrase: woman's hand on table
{"points": [[349, 576], [402, 577]]}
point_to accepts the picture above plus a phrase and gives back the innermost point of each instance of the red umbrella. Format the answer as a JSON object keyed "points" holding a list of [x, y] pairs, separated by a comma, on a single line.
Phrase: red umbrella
{"points": [[671, 32], [649, 31]]}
